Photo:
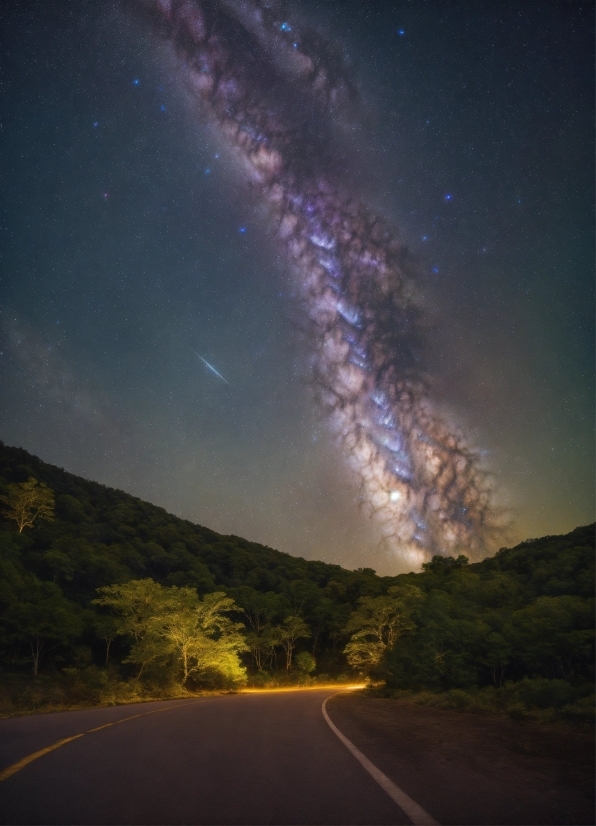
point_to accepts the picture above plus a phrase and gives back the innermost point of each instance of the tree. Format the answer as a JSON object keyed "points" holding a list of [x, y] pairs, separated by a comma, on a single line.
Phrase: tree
{"points": [[293, 628], [445, 564], [262, 645], [200, 635], [135, 604], [376, 625], [43, 619], [306, 662], [28, 501], [554, 636], [106, 628], [174, 624]]}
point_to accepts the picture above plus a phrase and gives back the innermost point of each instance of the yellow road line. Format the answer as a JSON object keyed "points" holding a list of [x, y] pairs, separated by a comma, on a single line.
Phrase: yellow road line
{"points": [[16, 767]]}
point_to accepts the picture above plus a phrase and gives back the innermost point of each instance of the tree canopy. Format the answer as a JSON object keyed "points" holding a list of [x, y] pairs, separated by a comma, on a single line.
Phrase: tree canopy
{"points": [[120, 583]]}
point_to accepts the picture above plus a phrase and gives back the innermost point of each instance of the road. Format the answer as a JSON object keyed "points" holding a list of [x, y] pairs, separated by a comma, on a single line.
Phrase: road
{"points": [[271, 758], [239, 759]]}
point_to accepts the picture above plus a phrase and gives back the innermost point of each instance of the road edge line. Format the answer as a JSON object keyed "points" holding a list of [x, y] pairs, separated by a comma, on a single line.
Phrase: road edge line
{"points": [[416, 813]]}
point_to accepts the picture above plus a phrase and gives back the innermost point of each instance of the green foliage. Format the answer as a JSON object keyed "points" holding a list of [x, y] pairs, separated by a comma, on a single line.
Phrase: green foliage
{"points": [[377, 624], [292, 629], [25, 502], [527, 613], [306, 662], [539, 699], [103, 538], [174, 624], [524, 615]]}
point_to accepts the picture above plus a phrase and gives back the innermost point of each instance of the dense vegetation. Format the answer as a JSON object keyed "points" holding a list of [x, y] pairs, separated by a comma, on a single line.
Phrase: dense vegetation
{"points": [[68, 587], [294, 611]]}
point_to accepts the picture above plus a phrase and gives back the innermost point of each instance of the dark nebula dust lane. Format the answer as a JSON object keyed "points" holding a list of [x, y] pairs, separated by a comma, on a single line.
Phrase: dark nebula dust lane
{"points": [[374, 221], [254, 75]]}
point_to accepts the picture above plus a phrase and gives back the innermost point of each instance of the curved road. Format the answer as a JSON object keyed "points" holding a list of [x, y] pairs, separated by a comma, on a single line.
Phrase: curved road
{"points": [[266, 758]]}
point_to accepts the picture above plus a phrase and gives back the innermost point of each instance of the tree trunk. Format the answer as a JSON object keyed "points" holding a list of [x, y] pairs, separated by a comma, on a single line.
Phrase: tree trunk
{"points": [[36, 653]]}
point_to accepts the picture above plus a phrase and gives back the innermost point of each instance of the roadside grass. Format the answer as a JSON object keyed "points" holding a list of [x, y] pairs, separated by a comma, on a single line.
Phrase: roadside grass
{"points": [[294, 679], [537, 700], [93, 687], [72, 689]]}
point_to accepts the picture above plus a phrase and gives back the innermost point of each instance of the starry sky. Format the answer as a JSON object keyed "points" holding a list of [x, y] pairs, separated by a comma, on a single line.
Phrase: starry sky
{"points": [[132, 248]]}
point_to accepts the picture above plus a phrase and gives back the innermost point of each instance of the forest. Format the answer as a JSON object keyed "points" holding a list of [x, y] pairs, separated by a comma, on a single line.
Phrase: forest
{"points": [[104, 598]]}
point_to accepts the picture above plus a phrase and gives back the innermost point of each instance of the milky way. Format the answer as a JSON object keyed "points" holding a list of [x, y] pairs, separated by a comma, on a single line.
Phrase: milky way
{"points": [[271, 88]]}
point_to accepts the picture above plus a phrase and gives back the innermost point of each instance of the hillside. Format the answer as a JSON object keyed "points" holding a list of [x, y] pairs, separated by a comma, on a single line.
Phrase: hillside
{"points": [[525, 613], [102, 536]]}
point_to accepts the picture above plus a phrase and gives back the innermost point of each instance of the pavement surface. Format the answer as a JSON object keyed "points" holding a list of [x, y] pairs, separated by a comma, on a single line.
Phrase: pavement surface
{"points": [[468, 768], [239, 759], [265, 758]]}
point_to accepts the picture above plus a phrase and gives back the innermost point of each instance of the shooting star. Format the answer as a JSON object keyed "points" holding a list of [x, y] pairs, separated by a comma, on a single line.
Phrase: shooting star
{"points": [[213, 370]]}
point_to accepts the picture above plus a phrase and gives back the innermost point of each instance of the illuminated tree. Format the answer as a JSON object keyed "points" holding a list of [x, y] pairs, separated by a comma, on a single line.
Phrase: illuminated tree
{"points": [[173, 624], [27, 502], [200, 635], [135, 604], [292, 629], [376, 625]]}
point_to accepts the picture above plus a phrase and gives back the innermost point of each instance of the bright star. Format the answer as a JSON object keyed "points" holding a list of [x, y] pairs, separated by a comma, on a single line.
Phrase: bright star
{"points": [[448, 197], [285, 27], [136, 81], [395, 495], [242, 230], [401, 32]]}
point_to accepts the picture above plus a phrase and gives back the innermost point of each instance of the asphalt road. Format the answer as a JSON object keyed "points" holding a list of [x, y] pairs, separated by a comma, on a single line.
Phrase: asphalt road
{"points": [[239, 759], [271, 758]]}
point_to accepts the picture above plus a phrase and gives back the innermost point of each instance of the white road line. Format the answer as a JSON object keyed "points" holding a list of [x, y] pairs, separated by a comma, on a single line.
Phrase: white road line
{"points": [[415, 812]]}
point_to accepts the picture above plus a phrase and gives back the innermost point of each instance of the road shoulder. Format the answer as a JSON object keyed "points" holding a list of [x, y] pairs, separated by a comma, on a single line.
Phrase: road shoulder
{"points": [[468, 768]]}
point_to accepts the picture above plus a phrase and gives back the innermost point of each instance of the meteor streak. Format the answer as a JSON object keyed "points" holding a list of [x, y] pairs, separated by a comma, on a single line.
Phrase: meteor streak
{"points": [[210, 366]]}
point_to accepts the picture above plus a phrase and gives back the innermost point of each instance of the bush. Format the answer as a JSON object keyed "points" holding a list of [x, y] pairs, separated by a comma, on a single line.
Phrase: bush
{"points": [[305, 662], [540, 693], [545, 701]]}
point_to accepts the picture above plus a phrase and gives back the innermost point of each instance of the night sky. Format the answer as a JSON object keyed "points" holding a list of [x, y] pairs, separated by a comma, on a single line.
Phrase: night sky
{"points": [[131, 242]]}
